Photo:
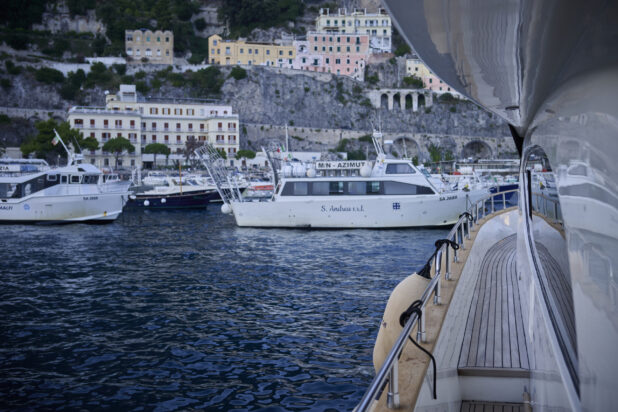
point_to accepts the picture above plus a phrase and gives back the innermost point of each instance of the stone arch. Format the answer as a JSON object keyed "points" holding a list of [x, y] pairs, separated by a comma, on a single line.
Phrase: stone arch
{"points": [[383, 100], [421, 99], [406, 146], [397, 101], [409, 101], [476, 149]]}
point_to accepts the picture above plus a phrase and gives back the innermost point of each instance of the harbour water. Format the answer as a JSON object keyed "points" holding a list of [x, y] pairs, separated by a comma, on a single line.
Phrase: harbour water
{"points": [[184, 310]]}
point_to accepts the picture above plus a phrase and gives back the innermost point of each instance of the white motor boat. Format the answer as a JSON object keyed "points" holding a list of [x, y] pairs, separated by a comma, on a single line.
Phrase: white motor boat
{"points": [[391, 193], [68, 194]]}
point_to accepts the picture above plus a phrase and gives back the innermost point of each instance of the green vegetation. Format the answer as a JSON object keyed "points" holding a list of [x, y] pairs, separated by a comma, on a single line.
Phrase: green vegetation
{"points": [[238, 73], [452, 109], [222, 153], [155, 149], [72, 85], [22, 14], [207, 81], [242, 16], [366, 138], [447, 98], [4, 119], [415, 160], [248, 154], [402, 50], [300, 139], [200, 24], [413, 82], [41, 144], [399, 44], [341, 146], [117, 146], [90, 143], [6, 84], [11, 68], [373, 79], [49, 76], [356, 155], [435, 153]]}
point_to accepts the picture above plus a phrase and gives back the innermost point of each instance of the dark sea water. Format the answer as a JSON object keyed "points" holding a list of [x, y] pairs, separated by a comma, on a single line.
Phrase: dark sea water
{"points": [[184, 310]]}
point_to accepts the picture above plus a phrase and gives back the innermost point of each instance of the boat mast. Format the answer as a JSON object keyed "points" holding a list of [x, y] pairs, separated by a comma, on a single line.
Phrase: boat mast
{"points": [[70, 157]]}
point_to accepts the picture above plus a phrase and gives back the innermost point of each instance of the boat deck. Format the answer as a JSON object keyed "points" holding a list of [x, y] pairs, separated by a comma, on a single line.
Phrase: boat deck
{"points": [[494, 341]]}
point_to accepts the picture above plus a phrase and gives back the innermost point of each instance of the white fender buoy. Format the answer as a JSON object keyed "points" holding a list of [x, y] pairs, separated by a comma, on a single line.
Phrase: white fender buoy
{"points": [[311, 173], [226, 209], [163, 200], [146, 202], [365, 171], [132, 197], [406, 292]]}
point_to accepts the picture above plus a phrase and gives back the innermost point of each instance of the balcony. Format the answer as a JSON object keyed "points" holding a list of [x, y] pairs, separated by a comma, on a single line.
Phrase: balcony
{"points": [[232, 129], [78, 126]]}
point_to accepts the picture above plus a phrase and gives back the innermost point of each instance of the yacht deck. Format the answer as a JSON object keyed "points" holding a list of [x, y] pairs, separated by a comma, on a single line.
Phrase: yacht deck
{"points": [[494, 341]]}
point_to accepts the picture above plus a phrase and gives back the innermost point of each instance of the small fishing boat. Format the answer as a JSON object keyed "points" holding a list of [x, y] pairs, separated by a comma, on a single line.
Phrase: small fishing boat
{"points": [[173, 194]]}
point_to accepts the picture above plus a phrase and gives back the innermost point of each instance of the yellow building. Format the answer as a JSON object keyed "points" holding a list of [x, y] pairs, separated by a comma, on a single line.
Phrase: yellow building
{"points": [[146, 46], [145, 121], [376, 25], [415, 67], [231, 52]]}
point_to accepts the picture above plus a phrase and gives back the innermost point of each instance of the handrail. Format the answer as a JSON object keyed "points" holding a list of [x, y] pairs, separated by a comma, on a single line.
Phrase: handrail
{"points": [[389, 370]]}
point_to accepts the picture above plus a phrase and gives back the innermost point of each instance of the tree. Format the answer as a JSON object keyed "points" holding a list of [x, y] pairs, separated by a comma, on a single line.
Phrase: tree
{"points": [[413, 81], [117, 146], [248, 154], [191, 146], [41, 144], [222, 153], [90, 143], [238, 73], [207, 81], [435, 153], [155, 149]]}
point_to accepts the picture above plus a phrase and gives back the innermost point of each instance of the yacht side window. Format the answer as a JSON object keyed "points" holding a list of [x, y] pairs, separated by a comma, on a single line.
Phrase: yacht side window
{"points": [[319, 188], [52, 178], [295, 189], [75, 178], [64, 179], [373, 188], [335, 188], [399, 188], [358, 188], [399, 169]]}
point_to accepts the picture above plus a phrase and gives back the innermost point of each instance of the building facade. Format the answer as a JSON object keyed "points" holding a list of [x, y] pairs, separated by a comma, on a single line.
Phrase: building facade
{"points": [[415, 67], [145, 121], [231, 52], [376, 25], [337, 53], [146, 46]]}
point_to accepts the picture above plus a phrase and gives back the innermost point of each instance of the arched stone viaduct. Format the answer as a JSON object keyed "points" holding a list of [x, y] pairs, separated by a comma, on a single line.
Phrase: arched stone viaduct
{"points": [[403, 98]]}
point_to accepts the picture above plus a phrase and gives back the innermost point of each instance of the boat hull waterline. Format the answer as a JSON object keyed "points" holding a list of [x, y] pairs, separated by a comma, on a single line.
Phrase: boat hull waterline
{"points": [[347, 212]]}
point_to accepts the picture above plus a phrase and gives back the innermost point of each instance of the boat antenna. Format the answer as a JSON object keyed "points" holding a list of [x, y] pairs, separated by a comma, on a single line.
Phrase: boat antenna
{"points": [[287, 139], [69, 154]]}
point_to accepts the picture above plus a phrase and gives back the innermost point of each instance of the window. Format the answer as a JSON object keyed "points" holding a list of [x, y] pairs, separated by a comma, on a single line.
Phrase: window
{"points": [[177, 126], [250, 51], [105, 123], [91, 122], [75, 179], [154, 125], [399, 169], [290, 53], [256, 51], [295, 189], [147, 38], [154, 137], [399, 188], [167, 40], [268, 52], [242, 51], [159, 52], [159, 39], [148, 52], [328, 60], [129, 51], [178, 138], [358, 188], [129, 37], [166, 138]]}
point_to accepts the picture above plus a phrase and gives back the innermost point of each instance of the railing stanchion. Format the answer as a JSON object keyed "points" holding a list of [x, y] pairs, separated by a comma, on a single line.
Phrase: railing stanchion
{"points": [[455, 259], [462, 237], [447, 260], [436, 295], [492, 205], [503, 200], [468, 221], [477, 212], [392, 398]]}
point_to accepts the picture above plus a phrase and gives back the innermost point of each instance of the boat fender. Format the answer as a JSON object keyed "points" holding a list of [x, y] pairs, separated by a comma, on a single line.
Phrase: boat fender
{"points": [[226, 209], [132, 197], [365, 171], [406, 292], [146, 202], [311, 173], [163, 200]]}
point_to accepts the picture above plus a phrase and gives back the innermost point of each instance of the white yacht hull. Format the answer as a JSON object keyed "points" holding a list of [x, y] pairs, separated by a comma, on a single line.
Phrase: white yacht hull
{"points": [[63, 208], [351, 212]]}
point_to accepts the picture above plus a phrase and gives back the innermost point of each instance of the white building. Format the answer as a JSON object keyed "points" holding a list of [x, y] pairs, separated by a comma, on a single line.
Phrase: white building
{"points": [[376, 25], [145, 121]]}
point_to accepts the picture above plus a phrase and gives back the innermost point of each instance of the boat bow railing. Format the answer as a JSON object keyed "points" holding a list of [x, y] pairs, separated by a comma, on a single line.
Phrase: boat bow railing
{"points": [[388, 373], [215, 165]]}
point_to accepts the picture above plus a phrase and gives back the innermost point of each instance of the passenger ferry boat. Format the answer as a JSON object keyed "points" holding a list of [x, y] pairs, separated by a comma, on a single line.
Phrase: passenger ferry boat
{"points": [[74, 193], [388, 194], [517, 309]]}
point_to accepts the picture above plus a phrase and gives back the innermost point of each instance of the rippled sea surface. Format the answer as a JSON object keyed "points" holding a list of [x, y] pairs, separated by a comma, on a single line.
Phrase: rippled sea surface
{"points": [[184, 310]]}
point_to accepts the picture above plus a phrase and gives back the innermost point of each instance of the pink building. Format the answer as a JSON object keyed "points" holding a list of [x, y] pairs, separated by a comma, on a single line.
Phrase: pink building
{"points": [[337, 53]]}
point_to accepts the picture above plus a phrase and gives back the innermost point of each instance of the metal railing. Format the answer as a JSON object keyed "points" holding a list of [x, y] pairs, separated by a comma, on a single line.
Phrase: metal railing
{"points": [[388, 373]]}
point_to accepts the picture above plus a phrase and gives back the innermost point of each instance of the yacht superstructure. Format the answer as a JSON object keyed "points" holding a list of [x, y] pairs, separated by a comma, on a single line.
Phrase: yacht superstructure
{"points": [[518, 308]]}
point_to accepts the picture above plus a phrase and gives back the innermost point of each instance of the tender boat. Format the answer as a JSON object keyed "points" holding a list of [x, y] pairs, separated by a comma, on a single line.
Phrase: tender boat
{"points": [[74, 193], [517, 309], [174, 194], [388, 194]]}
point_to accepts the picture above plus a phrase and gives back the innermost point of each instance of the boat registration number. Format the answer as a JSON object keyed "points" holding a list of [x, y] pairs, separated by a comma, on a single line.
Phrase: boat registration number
{"points": [[448, 197], [91, 198]]}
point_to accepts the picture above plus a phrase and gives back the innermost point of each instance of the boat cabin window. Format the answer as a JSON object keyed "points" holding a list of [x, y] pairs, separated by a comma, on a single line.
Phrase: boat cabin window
{"points": [[295, 189], [320, 188], [91, 179], [19, 190], [9, 190], [75, 179], [335, 188], [64, 179], [399, 188], [399, 169], [52, 178], [359, 188]]}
